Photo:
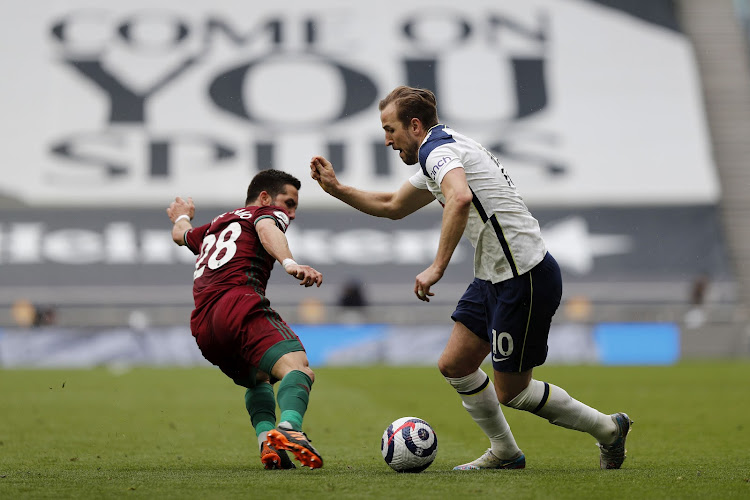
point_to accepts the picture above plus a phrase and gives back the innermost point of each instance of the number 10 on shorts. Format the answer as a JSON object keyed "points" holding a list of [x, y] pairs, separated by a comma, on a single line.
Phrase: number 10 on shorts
{"points": [[502, 345]]}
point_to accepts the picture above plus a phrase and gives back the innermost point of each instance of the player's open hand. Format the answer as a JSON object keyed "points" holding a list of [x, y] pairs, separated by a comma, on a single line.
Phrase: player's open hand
{"points": [[322, 171], [306, 274], [181, 207]]}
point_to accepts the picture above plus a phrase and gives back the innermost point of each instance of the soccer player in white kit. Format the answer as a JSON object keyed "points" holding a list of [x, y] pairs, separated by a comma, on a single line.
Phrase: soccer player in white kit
{"points": [[507, 309]]}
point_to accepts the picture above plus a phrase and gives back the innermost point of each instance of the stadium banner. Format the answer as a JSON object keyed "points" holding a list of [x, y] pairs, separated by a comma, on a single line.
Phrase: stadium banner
{"points": [[128, 104], [327, 345], [111, 256]]}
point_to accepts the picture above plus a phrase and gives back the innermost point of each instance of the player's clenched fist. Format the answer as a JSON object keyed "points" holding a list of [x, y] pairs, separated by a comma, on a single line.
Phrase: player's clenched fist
{"points": [[322, 171], [181, 207]]}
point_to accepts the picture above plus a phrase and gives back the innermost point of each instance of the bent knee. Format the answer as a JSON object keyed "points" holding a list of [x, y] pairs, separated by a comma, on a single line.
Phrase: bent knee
{"points": [[505, 397], [262, 377], [308, 371], [447, 367], [508, 386], [303, 369], [444, 367], [453, 368]]}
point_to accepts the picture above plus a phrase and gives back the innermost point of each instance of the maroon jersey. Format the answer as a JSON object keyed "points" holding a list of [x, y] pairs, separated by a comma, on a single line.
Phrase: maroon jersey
{"points": [[230, 255]]}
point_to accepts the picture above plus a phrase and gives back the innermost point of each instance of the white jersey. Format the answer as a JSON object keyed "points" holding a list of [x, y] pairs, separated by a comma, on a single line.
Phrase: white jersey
{"points": [[506, 238]]}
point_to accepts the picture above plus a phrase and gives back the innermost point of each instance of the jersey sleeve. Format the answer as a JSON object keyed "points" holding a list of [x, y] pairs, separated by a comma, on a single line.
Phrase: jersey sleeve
{"points": [[418, 180], [194, 238], [278, 215], [442, 160]]}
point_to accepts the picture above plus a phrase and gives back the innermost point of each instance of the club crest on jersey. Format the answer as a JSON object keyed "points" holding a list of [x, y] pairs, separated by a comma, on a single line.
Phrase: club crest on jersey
{"points": [[282, 218]]}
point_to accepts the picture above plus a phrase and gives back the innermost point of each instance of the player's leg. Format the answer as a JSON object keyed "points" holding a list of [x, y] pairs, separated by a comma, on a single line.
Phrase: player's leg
{"points": [[261, 406], [239, 330], [464, 354], [260, 402], [522, 344], [554, 404], [460, 365], [268, 344], [296, 379], [558, 407]]}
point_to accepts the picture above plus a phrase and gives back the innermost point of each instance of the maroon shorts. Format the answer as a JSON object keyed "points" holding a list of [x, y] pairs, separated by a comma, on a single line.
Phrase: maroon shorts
{"points": [[242, 334]]}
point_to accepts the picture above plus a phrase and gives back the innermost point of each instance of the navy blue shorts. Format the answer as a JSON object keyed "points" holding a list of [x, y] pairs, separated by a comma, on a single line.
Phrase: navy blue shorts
{"points": [[514, 316]]}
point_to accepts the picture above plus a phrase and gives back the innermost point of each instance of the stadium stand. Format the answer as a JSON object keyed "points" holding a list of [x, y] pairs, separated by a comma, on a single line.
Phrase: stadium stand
{"points": [[721, 50], [684, 262]]}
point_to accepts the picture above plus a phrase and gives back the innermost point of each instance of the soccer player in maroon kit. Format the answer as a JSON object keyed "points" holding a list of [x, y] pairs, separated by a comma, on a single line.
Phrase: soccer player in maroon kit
{"points": [[233, 323]]}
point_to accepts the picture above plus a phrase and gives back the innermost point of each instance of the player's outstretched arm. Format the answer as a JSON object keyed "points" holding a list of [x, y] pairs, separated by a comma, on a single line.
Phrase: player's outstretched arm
{"points": [[458, 198], [181, 212], [396, 205], [276, 244]]}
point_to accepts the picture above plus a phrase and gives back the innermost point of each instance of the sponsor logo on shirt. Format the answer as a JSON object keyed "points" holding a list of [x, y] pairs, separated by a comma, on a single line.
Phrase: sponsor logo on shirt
{"points": [[439, 164]]}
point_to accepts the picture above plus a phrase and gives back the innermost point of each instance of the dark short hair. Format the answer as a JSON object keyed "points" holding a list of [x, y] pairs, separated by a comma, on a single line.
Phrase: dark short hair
{"points": [[272, 181], [411, 103]]}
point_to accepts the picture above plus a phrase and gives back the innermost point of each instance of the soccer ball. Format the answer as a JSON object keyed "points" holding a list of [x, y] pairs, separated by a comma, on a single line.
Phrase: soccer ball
{"points": [[409, 445]]}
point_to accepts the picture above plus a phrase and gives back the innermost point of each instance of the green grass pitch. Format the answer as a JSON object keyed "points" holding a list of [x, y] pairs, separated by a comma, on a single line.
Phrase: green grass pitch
{"points": [[184, 433]]}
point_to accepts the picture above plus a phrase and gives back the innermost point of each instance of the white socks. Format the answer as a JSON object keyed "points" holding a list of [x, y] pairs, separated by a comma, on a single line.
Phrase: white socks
{"points": [[556, 405], [479, 399], [262, 438]]}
